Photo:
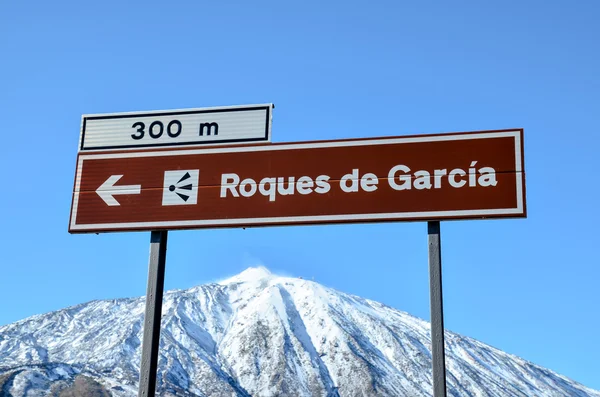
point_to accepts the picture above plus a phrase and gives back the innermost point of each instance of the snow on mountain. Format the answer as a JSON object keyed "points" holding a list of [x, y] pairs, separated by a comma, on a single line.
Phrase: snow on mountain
{"points": [[257, 334]]}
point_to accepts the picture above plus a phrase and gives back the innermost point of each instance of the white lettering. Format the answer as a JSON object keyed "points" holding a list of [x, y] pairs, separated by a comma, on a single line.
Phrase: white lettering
{"points": [[472, 174], [452, 178], [248, 183], [369, 182], [268, 187], [304, 185], [353, 178], [229, 182], [422, 180], [400, 177], [404, 179], [322, 184], [437, 178], [284, 191], [487, 177]]}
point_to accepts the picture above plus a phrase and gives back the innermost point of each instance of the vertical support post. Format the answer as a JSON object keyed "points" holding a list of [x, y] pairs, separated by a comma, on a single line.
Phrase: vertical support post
{"points": [[154, 297], [437, 309]]}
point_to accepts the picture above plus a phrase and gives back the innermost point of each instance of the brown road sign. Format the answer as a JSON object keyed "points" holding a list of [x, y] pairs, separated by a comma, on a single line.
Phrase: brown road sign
{"points": [[429, 177]]}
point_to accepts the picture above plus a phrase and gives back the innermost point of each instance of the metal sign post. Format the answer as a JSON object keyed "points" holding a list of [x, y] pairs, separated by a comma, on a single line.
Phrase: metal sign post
{"points": [[437, 309], [154, 296]]}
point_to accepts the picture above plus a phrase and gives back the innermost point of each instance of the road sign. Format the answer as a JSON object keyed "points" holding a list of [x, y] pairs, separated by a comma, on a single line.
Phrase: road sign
{"points": [[134, 131], [446, 176]]}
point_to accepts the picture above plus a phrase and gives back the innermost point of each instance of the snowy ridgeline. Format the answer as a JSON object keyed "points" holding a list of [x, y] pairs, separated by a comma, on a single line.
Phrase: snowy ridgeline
{"points": [[257, 334]]}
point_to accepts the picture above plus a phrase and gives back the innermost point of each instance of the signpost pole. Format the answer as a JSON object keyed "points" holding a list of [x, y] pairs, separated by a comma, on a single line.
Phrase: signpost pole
{"points": [[154, 296], [437, 309]]}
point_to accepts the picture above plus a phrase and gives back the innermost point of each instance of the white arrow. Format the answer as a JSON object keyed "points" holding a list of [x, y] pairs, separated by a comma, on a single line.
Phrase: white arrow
{"points": [[107, 190]]}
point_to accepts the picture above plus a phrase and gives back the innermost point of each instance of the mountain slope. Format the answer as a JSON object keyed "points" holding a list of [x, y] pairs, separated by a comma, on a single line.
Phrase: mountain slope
{"points": [[257, 334]]}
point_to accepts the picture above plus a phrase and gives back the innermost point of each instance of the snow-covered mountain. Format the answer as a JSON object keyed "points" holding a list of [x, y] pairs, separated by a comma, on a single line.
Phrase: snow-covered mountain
{"points": [[257, 334]]}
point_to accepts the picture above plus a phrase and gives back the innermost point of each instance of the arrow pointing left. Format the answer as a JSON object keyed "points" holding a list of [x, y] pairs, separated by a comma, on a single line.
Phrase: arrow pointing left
{"points": [[107, 190]]}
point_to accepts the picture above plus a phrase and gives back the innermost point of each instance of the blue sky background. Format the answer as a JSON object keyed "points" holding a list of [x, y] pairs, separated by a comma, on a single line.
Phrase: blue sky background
{"points": [[333, 70]]}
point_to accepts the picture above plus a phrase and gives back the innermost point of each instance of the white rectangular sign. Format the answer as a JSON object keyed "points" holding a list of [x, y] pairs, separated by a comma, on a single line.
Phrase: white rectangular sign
{"points": [[206, 126]]}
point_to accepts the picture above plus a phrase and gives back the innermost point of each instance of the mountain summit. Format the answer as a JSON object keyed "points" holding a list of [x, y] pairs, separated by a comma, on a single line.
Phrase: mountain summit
{"points": [[256, 334], [250, 275]]}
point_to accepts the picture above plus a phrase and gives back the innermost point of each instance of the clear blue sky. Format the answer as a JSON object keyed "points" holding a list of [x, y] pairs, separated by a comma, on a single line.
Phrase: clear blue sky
{"points": [[333, 70]]}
